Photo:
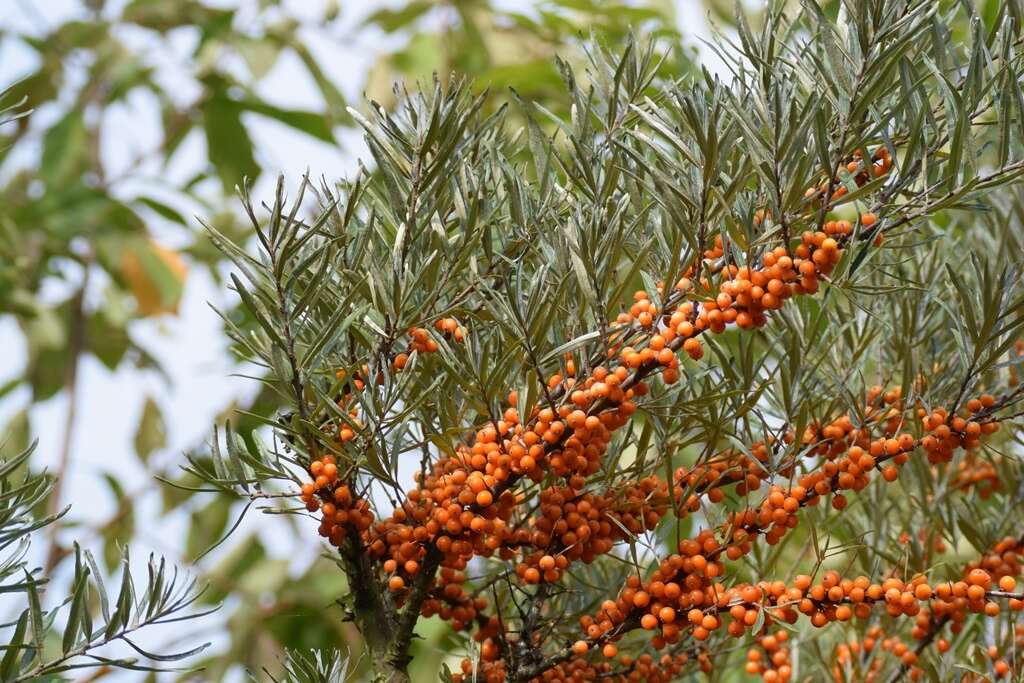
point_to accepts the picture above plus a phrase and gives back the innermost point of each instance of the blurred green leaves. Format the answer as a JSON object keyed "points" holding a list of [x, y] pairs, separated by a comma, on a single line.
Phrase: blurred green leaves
{"points": [[227, 141], [151, 434], [65, 150]]}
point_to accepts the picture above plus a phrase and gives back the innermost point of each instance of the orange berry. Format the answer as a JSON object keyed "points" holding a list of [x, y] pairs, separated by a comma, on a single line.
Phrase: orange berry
{"points": [[979, 577], [693, 348]]}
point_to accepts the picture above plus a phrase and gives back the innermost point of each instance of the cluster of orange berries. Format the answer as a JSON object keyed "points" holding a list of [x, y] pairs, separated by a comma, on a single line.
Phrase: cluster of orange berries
{"points": [[421, 342], [840, 599], [569, 440], [451, 329], [829, 441], [946, 433], [862, 172], [996, 570], [339, 507], [729, 467], [463, 505], [977, 474], [1000, 666], [750, 471], [643, 668], [851, 667], [701, 607], [671, 600], [770, 657], [744, 295], [571, 527], [450, 601], [454, 510], [863, 455], [684, 583]]}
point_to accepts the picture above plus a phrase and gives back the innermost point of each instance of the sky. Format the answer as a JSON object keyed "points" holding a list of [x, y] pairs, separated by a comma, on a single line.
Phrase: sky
{"points": [[190, 345]]}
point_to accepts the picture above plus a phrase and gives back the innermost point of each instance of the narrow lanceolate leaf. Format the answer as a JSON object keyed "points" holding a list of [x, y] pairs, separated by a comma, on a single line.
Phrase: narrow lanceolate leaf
{"points": [[74, 630], [36, 616], [124, 608], [16, 646]]}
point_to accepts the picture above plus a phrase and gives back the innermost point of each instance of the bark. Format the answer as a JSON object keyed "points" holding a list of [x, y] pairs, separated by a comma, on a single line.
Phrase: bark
{"points": [[374, 614]]}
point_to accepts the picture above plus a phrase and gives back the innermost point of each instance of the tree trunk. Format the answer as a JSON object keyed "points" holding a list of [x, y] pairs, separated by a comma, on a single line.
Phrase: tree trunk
{"points": [[374, 615], [388, 672]]}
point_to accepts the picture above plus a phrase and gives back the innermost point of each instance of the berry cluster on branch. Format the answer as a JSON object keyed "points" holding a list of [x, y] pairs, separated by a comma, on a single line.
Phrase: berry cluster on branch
{"points": [[475, 502]]}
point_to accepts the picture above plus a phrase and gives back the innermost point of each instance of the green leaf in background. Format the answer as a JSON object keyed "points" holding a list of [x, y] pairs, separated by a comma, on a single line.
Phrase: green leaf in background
{"points": [[107, 337], [159, 15], [175, 492], [247, 555], [65, 150], [79, 210], [154, 274], [391, 20], [228, 143], [165, 15], [420, 58], [151, 434], [308, 122], [15, 436], [118, 530], [35, 89], [335, 101], [81, 34], [47, 372], [163, 209], [260, 55], [208, 525]]}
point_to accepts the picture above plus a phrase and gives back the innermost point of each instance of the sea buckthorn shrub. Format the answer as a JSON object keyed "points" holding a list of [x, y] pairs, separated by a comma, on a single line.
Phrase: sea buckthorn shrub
{"points": [[717, 377]]}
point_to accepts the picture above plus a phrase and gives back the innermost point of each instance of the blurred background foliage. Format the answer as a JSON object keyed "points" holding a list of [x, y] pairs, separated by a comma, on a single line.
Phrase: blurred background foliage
{"points": [[98, 239]]}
